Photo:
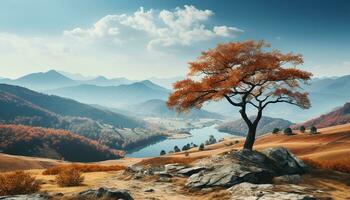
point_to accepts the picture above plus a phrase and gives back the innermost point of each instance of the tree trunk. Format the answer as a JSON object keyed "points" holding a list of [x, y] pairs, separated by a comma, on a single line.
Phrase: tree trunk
{"points": [[250, 139]]}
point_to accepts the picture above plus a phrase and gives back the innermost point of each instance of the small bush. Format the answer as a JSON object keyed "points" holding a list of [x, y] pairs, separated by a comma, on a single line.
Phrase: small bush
{"points": [[276, 130], [313, 130], [288, 131], [17, 183], [82, 168], [69, 177], [302, 129], [177, 149], [162, 152], [201, 147]]}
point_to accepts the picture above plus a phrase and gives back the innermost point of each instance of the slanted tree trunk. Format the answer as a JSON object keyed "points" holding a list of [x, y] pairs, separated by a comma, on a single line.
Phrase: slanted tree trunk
{"points": [[250, 138]]}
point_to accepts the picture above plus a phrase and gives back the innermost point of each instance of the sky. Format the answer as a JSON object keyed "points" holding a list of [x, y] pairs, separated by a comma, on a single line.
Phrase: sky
{"points": [[157, 38]]}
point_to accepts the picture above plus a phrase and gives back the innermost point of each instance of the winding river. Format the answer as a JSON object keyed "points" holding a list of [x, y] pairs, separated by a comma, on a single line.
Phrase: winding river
{"points": [[198, 136]]}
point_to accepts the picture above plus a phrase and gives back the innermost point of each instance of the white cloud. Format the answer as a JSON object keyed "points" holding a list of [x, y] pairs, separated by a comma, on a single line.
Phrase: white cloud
{"points": [[165, 28]]}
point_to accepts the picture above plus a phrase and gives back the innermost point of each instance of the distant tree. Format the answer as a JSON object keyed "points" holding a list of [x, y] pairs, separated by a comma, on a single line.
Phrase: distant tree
{"points": [[201, 147], [276, 130], [177, 149], [246, 74], [313, 130], [162, 152], [302, 129], [288, 131], [212, 139]]}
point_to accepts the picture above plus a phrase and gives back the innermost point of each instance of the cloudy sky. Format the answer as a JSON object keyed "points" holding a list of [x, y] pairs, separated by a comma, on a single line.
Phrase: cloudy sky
{"points": [[141, 39]]}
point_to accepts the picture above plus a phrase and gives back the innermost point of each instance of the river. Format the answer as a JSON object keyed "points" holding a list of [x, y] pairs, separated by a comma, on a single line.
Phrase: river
{"points": [[198, 136]]}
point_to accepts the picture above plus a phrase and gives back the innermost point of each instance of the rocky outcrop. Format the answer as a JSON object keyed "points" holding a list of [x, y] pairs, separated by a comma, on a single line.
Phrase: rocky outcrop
{"points": [[190, 171], [248, 166], [251, 191], [105, 193]]}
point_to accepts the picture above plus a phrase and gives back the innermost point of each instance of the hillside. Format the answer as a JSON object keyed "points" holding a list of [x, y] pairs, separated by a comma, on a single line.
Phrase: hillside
{"points": [[113, 96], [266, 124], [338, 116], [22, 106], [50, 143], [158, 108]]}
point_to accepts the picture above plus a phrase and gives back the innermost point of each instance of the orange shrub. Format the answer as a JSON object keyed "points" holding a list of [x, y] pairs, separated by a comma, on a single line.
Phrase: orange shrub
{"points": [[339, 165], [82, 168], [69, 177], [16, 183]]}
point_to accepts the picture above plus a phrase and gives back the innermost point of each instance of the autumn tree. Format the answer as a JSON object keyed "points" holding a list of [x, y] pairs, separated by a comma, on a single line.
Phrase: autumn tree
{"points": [[246, 74]]}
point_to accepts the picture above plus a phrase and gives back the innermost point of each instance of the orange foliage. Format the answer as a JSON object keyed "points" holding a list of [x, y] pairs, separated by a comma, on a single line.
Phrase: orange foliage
{"points": [[339, 165], [157, 161], [16, 183], [82, 168], [69, 177], [241, 72]]}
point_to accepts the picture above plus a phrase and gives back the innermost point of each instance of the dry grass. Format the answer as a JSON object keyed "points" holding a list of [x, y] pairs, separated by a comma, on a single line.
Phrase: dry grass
{"points": [[69, 177], [16, 183], [339, 165], [157, 161], [82, 168]]}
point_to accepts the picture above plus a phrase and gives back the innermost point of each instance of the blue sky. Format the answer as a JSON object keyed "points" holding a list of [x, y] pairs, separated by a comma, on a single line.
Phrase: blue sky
{"points": [[119, 38]]}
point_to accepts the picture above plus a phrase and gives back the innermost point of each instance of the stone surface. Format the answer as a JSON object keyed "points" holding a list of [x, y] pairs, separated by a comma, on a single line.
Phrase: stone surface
{"points": [[228, 175], [110, 193], [191, 170], [294, 179], [173, 167], [26, 197], [248, 191], [248, 166]]}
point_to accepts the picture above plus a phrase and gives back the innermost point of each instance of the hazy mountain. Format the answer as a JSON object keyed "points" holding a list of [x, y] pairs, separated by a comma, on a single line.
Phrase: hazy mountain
{"points": [[23, 106], [338, 116], [266, 124], [103, 81], [158, 108], [76, 76], [114, 96], [50, 143], [42, 81]]}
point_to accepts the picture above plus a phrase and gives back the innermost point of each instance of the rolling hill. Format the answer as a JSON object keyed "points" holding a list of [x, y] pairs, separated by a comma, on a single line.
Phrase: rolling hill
{"points": [[336, 117], [266, 124], [113, 96], [50, 143], [158, 108], [23, 106]]}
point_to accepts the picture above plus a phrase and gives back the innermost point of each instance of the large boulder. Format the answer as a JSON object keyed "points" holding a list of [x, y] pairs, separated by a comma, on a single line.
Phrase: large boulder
{"points": [[244, 191], [26, 197], [191, 170], [248, 166], [228, 175], [105, 193]]}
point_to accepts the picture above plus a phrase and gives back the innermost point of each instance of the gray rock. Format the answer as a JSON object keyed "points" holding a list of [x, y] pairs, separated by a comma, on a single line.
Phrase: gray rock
{"points": [[164, 179], [163, 174], [250, 191], [26, 197], [135, 169], [190, 171], [110, 193], [229, 175], [293, 179], [173, 167], [287, 162]]}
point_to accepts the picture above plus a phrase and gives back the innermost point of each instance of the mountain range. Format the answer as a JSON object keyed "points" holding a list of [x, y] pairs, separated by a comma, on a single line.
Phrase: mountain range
{"points": [[23, 106]]}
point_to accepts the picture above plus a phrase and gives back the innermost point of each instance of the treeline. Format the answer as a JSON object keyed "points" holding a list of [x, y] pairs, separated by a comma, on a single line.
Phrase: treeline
{"points": [[50, 143]]}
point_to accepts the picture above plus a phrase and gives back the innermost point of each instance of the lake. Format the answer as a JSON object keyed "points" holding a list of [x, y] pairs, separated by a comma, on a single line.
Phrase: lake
{"points": [[198, 136]]}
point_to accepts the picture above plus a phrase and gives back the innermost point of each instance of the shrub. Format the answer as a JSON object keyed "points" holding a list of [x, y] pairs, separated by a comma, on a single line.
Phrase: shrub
{"points": [[176, 149], [162, 152], [187, 154], [302, 129], [82, 168], [313, 130], [288, 131], [212, 139], [16, 183], [69, 177], [201, 147], [275, 130]]}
